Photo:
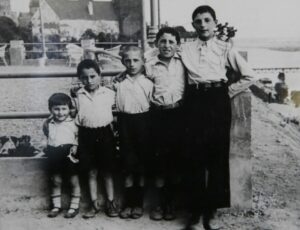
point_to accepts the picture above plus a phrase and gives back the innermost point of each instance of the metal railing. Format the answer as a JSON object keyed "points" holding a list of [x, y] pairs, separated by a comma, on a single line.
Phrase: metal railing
{"points": [[61, 46], [40, 115]]}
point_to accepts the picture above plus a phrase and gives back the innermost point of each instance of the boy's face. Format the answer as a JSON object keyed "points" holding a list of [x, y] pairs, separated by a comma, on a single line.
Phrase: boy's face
{"points": [[167, 45], [60, 112], [134, 62], [90, 79], [204, 24]]}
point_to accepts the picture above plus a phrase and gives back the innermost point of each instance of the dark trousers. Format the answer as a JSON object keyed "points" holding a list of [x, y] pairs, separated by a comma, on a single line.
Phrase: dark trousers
{"points": [[208, 119], [167, 131]]}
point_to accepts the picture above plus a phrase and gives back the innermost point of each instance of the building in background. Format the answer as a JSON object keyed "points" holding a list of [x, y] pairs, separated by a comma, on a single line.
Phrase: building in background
{"points": [[71, 18]]}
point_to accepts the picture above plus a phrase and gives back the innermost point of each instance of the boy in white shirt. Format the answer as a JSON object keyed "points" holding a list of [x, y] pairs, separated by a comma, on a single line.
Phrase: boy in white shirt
{"points": [[61, 132], [133, 95], [96, 139], [208, 115]]}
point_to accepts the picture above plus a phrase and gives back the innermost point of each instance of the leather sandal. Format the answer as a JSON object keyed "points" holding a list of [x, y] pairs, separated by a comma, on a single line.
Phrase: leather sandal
{"points": [[54, 212], [71, 213]]}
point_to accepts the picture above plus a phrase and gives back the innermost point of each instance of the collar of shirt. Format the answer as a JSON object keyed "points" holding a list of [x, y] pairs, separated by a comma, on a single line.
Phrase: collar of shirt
{"points": [[98, 91], [200, 44], [52, 121], [132, 80], [156, 59]]}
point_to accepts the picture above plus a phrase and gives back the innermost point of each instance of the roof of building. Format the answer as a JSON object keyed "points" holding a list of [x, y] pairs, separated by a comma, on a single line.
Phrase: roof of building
{"points": [[78, 9]]}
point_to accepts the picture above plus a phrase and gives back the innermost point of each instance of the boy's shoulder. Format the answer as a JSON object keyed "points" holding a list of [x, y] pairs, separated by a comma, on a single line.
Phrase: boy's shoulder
{"points": [[144, 78], [215, 44], [221, 45]]}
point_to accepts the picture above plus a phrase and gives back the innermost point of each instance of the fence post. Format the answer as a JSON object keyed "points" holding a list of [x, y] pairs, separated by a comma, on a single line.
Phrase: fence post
{"points": [[16, 52]]}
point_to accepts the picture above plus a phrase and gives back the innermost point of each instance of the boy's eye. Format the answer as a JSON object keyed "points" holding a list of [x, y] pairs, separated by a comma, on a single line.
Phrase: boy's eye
{"points": [[92, 76], [207, 20], [197, 22]]}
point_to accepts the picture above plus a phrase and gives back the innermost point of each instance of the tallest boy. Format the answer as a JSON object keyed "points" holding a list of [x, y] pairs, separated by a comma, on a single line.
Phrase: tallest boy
{"points": [[208, 110]]}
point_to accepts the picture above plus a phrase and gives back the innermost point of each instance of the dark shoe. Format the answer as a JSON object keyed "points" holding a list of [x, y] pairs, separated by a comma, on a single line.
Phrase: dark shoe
{"points": [[71, 213], [96, 205], [54, 212], [137, 212], [90, 214], [111, 209], [157, 213], [169, 213], [125, 213]]}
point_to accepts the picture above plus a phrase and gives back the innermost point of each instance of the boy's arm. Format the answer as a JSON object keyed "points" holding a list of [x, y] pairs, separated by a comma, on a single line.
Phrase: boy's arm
{"points": [[73, 150], [46, 128], [242, 74], [149, 71]]}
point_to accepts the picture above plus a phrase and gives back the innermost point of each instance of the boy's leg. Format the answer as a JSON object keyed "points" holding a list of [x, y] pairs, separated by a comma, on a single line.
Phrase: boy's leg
{"points": [[93, 189], [128, 197], [158, 212], [56, 181], [138, 201], [111, 206], [75, 197]]}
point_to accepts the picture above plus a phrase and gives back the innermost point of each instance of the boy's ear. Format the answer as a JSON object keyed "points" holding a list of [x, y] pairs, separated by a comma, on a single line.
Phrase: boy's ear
{"points": [[193, 25]]}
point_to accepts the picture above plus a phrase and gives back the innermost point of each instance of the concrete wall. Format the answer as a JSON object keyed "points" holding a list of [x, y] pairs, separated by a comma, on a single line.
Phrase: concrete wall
{"points": [[240, 152], [24, 183]]}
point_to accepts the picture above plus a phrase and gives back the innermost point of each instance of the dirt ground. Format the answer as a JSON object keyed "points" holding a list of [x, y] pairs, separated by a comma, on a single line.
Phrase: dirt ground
{"points": [[276, 187]]}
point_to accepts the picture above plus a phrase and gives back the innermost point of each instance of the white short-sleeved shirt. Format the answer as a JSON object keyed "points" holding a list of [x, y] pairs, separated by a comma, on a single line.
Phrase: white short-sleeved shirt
{"points": [[133, 94], [94, 111], [61, 133], [169, 80]]}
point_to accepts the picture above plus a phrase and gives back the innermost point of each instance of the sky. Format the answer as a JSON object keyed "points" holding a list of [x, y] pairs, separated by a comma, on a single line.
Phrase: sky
{"points": [[252, 18]]}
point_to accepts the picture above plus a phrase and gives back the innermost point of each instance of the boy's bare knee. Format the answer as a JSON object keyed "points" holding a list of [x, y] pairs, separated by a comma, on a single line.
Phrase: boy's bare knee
{"points": [[159, 182], [129, 181], [93, 173], [56, 180]]}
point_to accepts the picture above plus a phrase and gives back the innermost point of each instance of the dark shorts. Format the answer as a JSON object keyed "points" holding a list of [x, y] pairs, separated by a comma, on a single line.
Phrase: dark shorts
{"points": [[58, 162], [134, 133], [97, 149], [168, 136]]}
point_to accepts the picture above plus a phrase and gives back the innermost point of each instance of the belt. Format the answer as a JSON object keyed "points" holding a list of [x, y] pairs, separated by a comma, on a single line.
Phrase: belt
{"points": [[171, 106], [207, 85]]}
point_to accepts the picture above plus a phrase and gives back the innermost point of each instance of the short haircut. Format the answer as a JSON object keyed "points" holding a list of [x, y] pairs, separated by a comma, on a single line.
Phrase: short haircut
{"points": [[59, 99], [88, 64], [129, 48], [168, 30], [281, 75], [204, 9]]}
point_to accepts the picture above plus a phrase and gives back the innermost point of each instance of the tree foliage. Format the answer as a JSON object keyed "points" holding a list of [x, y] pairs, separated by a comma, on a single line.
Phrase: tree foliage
{"points": [[89, 34], [10, 31]]}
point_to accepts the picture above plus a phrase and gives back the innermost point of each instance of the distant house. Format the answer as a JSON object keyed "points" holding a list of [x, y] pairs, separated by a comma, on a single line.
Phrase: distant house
{"points": [[71, 18]]}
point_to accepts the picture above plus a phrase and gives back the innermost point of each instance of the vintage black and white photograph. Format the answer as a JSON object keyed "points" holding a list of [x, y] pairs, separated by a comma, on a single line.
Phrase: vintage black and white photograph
{"points": [[149, 114]]}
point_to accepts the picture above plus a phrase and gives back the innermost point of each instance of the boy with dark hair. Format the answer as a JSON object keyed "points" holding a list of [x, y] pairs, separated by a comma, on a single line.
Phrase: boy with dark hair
{"points": [[96, 139], [133, 93], [168, 75], [208, 111], [61, 150]]}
